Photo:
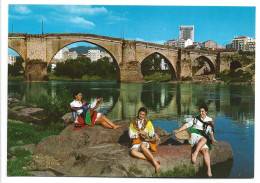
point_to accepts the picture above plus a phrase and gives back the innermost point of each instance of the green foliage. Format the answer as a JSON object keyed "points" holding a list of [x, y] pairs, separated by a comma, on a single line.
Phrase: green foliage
{"points": [[151, 63], [15, 166], [16, 69], [188, 78], [233, 76], [76, 69], [49, 68], [23, 133], [246, 53], [158, 77], [46, 78], [180, 171], [55, 106], [20, 133]]}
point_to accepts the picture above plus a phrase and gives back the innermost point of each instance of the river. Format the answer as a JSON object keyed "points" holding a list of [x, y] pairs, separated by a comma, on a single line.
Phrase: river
{"points": [[169, 106]]}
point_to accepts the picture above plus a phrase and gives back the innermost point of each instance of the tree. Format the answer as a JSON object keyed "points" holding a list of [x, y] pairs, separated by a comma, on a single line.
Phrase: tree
{"points": [[17, 68]]}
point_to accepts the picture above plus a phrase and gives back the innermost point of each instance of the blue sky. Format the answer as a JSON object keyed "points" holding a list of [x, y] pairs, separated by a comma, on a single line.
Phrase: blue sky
{"points": [[155, 24]]}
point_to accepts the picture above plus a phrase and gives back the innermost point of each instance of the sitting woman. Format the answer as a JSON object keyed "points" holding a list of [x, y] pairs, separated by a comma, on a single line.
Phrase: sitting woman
{"points": [[201, 127], [141, 132], [84, 115]]}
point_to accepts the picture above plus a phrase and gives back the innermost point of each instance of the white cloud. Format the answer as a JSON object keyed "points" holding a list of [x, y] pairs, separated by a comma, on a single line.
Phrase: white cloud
{"points": [[22, 9], [16, 17], [158, 41], [87, 10], [139, 39], [81, 21]]}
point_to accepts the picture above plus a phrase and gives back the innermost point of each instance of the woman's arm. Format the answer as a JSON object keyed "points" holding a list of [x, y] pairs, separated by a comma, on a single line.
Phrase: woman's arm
{"points": [[212, 137], [180, 129], [74, 108]]}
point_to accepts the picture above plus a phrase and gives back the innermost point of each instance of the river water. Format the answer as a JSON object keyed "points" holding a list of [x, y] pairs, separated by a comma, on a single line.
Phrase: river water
{"points": [[169, 106]]}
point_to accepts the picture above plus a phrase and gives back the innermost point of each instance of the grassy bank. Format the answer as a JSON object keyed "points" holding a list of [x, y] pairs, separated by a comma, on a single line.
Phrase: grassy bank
{"points": [[180, 171], [20, 133], [158, 77]]}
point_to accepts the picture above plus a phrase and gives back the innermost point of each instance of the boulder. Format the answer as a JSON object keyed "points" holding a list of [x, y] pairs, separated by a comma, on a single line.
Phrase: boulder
{"points": [[97, 151], [27, 114]]}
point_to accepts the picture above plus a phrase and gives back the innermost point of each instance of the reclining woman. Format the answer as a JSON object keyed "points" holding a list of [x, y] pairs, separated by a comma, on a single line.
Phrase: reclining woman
{"points": [[141, 131], [84, 115], [201, 127]]}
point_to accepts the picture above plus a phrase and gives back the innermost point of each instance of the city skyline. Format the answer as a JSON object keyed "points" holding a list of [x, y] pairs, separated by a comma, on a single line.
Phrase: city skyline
{"points": [[155, 24]]}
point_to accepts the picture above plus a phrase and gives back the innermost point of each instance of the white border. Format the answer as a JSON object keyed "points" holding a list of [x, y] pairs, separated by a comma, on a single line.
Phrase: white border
{"points": [[3, 91]]}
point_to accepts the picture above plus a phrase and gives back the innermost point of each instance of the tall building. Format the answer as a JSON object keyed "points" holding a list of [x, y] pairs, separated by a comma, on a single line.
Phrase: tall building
{"points": [[11, 59], [62, 55], [186, 32], [94, 54], [243, 43], [72, 54]]}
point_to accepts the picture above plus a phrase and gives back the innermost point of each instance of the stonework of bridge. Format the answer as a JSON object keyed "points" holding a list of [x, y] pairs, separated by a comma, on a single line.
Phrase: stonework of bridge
{"points": [[38, 50]]}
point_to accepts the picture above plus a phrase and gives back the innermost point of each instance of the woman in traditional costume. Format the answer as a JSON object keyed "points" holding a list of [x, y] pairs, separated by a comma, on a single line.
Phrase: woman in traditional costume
{"points": [[143, 137], [201, 127], [84, 115]]}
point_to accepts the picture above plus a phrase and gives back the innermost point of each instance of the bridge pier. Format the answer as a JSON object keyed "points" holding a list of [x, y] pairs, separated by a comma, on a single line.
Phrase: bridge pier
{"points": [[130, 68], [35, 70]]}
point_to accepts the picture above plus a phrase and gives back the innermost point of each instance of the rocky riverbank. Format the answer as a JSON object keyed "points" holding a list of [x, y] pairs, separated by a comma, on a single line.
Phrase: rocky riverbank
{"points": [[97, 151]]}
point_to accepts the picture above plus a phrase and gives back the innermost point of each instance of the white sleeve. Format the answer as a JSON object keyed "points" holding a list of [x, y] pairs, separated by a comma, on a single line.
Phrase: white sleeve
{"points": [[132, 134], [93, 104], [190, 123]]}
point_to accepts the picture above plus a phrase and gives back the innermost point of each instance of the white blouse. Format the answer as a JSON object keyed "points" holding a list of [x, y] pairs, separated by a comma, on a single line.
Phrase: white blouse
{"points": [[77, 103], [197, 124]]}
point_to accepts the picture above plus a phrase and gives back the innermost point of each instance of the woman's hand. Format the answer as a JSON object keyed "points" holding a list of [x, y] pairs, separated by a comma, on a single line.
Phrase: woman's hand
{"points": [[99, 99], [214, 140], [143, 133], [175, 131]]}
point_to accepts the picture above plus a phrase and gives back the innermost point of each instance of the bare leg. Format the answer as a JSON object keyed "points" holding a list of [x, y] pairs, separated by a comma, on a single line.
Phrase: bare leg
{"points": [[201, 143], [104, 121], [149, 156], [207, 160], [140, 155]]}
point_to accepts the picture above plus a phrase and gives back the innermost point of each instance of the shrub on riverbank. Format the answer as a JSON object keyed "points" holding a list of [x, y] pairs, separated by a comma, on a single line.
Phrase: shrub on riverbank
{"points": [[158, 77], [234, 76]]}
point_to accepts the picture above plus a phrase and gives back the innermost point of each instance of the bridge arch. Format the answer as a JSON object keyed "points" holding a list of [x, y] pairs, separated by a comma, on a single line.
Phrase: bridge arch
{"points": [[234, 65], [114, 59], [171, 65], [102, 44], [16, 49], [202, 65]]}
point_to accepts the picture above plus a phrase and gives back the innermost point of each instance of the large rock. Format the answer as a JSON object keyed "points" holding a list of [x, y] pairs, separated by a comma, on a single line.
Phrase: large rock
{"points": [[27, 114], [97, 151]]}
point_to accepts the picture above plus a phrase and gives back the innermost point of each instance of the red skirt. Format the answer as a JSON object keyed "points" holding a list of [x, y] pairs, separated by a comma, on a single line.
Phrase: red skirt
{"points": [[81, 123]]}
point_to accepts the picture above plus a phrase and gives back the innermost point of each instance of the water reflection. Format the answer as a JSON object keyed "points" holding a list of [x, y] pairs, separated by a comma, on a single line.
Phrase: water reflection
{"points": [[165, 101]]}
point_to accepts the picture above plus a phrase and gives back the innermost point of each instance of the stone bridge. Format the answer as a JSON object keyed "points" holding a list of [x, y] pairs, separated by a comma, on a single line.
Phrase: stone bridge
{"points": [[37, 50]]}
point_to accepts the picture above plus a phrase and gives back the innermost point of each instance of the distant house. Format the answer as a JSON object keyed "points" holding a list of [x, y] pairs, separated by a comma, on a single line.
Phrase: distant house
{"points": [[53, 65], [72, 55], [209, 44], [181, 43], [194, 47]]}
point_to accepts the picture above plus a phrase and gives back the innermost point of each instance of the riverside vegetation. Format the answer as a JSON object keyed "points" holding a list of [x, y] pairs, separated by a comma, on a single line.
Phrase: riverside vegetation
{"points": [[82, 69]]}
